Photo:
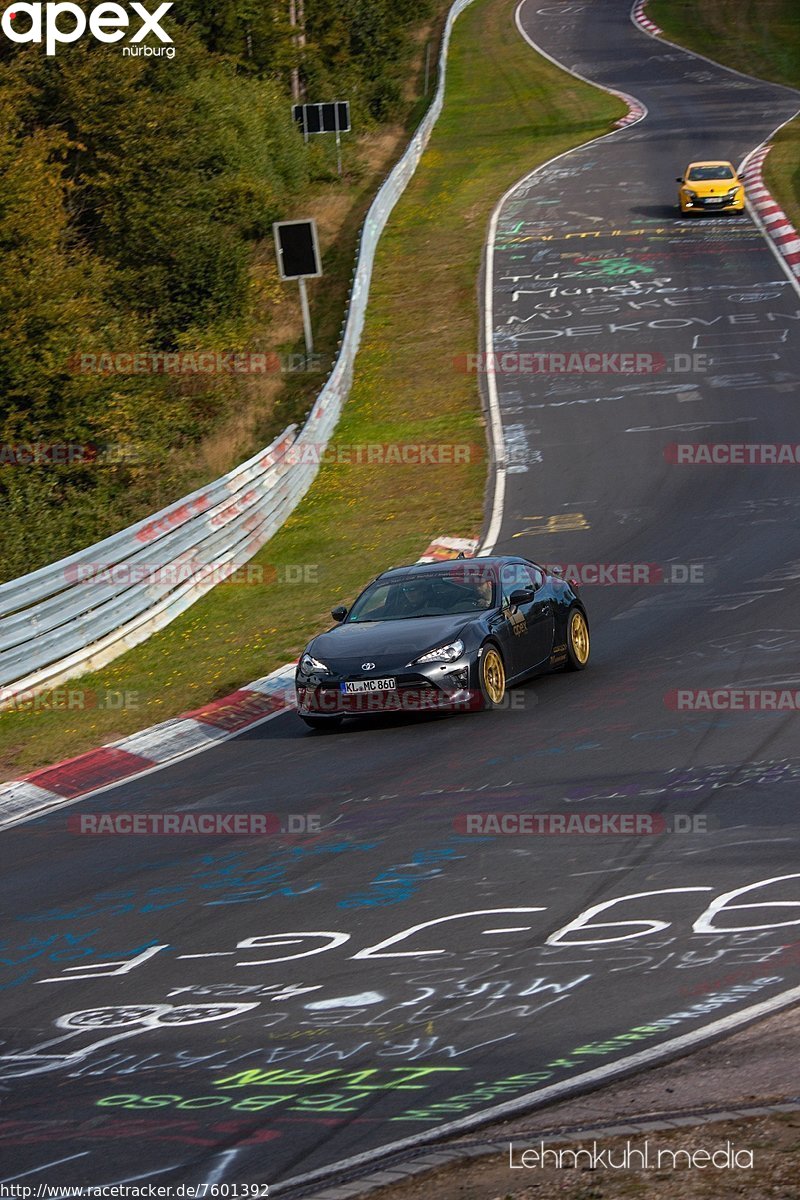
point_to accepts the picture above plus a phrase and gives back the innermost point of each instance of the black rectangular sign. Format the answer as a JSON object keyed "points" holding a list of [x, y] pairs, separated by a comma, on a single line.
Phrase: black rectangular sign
{"points": [[297, 248], [323, 118]]}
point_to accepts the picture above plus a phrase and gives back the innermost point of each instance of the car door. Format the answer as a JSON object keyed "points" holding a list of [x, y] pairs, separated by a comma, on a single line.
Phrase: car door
{"points": [[531, 624]]}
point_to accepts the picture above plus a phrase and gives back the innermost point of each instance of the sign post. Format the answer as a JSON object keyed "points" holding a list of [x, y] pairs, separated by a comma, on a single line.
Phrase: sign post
{"points": [[297, 251], [307, 330], [338, 143]]}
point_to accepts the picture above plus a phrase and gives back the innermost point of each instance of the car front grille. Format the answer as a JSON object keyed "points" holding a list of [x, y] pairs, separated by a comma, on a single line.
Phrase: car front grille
{"points": [[414, 693]]}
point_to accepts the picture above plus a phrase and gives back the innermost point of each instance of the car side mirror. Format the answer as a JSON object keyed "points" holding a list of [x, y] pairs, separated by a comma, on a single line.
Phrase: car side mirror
{"points": [[339, 613], [521, 596], [678, 179]]}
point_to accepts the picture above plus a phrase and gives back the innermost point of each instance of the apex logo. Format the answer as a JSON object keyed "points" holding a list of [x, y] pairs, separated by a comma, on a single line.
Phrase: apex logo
{"points": [[107, 23]]}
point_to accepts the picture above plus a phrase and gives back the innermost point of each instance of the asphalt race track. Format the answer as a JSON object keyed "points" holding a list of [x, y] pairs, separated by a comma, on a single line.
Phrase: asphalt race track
{"points": [[407, 967]]}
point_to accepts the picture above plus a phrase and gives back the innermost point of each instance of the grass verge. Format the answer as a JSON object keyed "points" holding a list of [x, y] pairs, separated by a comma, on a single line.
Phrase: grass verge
{"points": [[506, 110], [760, 38]]}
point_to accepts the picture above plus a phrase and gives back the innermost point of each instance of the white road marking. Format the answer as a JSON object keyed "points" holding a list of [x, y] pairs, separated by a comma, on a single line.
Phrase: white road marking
{"points": [[218, 1174], [496, 422], [44, 1166]]}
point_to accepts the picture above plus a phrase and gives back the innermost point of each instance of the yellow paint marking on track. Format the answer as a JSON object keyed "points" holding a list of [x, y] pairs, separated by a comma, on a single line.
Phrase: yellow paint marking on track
{"points": [[559, 523], [519, 239]]}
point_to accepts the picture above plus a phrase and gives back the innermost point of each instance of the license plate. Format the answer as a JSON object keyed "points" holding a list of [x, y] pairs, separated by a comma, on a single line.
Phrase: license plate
{"points": [[369, 685], [715, 201]]}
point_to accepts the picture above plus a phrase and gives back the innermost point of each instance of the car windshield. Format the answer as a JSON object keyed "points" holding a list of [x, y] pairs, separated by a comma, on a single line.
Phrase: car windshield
{"points": [[698, 174], [423, 596]]}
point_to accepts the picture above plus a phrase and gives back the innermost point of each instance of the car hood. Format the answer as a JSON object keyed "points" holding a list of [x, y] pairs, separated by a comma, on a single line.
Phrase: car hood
{"points": [[712, 187], [389, 644]]}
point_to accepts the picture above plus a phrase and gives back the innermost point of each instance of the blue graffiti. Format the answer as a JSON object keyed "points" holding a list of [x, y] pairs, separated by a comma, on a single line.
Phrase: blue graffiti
{"points": [[57, 948], [399, 883], [232, 877]]}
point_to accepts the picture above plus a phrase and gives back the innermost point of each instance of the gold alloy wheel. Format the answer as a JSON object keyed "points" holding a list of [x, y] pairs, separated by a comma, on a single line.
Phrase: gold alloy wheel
{"points": [[579, 637], [494, 675]]}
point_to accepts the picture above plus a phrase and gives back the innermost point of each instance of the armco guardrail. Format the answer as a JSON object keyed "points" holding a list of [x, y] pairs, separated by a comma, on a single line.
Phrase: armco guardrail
{"points": [[94, 605], [75, 615]]}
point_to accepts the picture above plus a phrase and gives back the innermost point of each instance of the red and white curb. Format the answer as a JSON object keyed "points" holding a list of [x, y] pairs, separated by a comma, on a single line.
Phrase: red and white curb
{"points": [[774, 220], [636, 110], [444, 548], [54, 787], [642, 20]]}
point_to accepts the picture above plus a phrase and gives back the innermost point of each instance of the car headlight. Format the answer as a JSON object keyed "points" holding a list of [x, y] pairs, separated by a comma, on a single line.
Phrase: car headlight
{"points": [[309, 664], [691, 195], [448, 653], [732, 193]]}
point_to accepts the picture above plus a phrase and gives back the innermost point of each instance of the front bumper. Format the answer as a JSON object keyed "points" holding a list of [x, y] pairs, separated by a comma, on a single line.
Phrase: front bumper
{"points": [[706, 204], [431, 687]]}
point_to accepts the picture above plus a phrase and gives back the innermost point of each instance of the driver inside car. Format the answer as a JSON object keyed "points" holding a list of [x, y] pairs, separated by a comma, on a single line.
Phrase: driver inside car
{"points": [[485, 590], [418, 601]]}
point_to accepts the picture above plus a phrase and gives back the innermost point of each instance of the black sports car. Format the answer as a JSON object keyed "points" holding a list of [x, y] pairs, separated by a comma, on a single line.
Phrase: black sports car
{"points": [[443, 635]]}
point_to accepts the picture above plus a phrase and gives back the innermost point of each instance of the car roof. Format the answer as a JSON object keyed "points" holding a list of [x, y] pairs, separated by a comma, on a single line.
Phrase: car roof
{"points": [[711, 162], [445, 566]]}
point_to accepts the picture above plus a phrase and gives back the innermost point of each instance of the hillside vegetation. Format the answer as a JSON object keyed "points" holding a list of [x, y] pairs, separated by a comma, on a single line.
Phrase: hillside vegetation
{"points": [[136, 197]]}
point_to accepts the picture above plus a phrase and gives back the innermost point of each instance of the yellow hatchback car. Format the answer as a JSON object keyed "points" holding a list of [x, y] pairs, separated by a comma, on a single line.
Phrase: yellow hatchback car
{"points": [[710, 187]]}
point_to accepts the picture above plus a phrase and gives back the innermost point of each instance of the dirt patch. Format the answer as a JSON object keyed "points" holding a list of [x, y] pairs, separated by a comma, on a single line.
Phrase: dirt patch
{"points": [[765, 1150], [759, 1065]]}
